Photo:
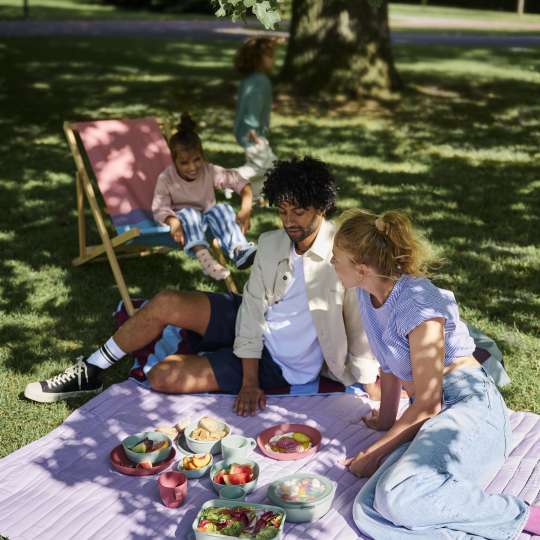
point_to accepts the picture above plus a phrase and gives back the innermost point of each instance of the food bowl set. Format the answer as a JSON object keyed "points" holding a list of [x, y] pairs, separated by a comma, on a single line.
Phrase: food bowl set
{"points": [[221, 503], [304, 497], [301, 497]]}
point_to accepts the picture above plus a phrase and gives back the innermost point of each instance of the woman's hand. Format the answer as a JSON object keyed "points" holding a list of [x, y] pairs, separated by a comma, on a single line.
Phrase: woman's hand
{"points": [[243, 217], [248, 399], [372, 421], [363, 464]]}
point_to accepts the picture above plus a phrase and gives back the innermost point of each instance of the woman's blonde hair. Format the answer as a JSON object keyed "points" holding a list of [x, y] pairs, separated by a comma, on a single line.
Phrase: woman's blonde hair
{"points": [[387, 242]]}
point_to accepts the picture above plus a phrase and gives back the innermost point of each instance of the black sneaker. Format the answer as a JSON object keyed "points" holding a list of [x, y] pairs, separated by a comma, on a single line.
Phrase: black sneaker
{"points": [[80, 379], [244, 256]]}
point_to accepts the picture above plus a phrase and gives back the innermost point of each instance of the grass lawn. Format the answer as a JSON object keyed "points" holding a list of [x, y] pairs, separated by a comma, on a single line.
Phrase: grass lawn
{"points": [[460, 151]]}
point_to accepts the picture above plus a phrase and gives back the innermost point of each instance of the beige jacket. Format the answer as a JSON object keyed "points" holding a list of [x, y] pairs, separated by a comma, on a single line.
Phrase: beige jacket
{"points": [[344, 344]]}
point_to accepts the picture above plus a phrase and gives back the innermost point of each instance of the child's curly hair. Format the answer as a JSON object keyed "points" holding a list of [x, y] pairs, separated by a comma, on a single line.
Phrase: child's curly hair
{"points": [[249, 56], [305, 182]]}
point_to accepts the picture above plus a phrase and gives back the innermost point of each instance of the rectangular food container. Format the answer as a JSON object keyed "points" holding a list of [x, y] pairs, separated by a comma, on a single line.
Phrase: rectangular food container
{"points": [[221, 503]]}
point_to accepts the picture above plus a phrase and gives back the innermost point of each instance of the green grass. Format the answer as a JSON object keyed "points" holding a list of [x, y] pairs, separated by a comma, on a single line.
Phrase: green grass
{"points": [[459, 151]]}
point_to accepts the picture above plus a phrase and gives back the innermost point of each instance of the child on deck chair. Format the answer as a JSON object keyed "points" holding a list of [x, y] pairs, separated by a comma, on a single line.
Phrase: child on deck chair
{"points": [[184, 199]]}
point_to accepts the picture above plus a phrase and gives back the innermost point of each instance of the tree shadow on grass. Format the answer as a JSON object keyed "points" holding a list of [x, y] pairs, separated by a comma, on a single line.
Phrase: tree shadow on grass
{"points": [[458, 152]]}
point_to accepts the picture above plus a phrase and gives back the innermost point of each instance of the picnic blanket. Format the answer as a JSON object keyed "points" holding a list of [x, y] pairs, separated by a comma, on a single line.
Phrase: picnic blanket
{"points": [[62, 485]]}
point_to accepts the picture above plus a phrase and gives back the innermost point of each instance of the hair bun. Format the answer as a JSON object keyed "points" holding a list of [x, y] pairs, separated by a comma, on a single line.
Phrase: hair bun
{"points": [[186, 124], [381, 226]]}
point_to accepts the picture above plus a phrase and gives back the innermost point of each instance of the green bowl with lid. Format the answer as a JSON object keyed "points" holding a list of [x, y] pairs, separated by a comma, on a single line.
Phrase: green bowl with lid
{"points": [[305, 497]]}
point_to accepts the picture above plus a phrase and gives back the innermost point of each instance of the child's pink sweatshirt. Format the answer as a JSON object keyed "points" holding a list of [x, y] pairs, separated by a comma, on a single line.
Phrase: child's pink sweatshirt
{"points": [[172, 192]]}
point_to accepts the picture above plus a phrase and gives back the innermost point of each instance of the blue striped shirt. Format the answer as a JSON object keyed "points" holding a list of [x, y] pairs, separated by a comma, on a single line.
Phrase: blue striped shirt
{"points": [[411, 302]]}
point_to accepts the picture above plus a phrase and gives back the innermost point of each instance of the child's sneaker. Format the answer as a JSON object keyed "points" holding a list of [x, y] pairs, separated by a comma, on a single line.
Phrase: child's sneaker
{"points": [[80, 379], [211, 267], [244, 256]]}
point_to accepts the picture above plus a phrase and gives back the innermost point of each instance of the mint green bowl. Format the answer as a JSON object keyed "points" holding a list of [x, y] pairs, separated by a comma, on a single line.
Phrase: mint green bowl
{"points": [[249, 487], [194, 473], [204, 447], [154, 457]]}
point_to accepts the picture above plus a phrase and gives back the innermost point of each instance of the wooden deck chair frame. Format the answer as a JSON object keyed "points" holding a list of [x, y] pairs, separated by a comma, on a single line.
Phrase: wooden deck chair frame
{"points": [[117, 246]]}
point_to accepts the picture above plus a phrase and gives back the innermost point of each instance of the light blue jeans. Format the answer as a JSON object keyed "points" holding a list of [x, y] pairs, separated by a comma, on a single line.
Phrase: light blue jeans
{"points": [[432, 487]]}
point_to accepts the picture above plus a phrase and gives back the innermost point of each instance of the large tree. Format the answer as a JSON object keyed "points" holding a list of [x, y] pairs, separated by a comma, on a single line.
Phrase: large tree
{"points": [[340, 46], [335, 46]]}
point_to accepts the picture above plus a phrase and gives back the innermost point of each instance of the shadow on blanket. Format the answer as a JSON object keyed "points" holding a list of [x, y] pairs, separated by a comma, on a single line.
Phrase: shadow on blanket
{"points": [[62, 486]]}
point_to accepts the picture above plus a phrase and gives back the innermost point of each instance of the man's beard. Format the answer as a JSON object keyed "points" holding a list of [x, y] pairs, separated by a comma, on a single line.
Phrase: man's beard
{"points": [[301, 233]]}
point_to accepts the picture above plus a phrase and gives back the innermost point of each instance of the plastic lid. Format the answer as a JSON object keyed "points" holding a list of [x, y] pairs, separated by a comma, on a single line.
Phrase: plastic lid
{"points": [[300, 489]]}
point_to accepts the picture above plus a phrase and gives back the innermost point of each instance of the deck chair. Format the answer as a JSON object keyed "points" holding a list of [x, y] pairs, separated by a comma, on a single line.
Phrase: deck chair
{"points": [[125, 157]]}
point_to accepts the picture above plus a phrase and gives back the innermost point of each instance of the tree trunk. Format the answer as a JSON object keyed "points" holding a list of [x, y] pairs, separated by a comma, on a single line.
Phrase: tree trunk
{"points": [[340, 47], [26, 9], [521, 7]]}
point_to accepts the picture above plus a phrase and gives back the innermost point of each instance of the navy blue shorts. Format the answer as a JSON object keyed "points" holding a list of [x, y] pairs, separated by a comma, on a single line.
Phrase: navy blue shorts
{"points": [[217, 345]]}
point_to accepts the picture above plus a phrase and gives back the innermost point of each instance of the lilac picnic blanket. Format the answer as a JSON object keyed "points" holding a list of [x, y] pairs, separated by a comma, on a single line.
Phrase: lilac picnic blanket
{"points": [[63, 487]]}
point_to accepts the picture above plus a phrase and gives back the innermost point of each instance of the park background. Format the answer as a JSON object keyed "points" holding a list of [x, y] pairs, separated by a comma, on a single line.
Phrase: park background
{"points": [[458, 147]]}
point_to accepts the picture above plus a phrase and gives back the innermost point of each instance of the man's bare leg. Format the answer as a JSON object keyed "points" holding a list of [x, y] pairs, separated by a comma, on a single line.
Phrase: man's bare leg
{"points": [[183, 374], [188, 310]]}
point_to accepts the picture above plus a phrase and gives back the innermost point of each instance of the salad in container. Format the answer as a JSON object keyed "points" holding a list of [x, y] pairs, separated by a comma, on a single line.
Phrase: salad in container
{"points": [[220, 518]]}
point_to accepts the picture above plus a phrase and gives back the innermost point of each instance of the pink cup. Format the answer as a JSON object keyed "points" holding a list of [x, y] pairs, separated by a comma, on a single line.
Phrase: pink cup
{"points": [[172, 488]]}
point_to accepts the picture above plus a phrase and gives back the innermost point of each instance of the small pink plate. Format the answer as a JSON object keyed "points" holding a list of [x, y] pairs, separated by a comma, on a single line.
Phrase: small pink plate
{"points": [[122, 464], [280, 429]]}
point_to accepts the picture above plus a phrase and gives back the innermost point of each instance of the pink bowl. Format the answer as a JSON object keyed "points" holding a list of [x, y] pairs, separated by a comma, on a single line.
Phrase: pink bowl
{"points": [[122, 464], [280, 429]]}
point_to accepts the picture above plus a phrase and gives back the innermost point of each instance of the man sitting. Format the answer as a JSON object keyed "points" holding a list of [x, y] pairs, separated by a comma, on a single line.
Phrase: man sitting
{"points": [[294, 321]]}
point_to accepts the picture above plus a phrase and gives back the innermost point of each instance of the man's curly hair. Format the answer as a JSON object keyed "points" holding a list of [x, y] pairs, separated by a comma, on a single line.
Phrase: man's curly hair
{"points": [[305, 182]]}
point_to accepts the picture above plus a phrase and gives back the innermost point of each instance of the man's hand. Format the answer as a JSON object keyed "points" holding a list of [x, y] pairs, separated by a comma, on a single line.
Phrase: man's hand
{"points": [[243, 217], [248, 399], [363, 465]]}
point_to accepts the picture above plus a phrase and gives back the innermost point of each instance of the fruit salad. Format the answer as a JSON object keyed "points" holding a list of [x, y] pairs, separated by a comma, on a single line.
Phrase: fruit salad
{"points": [[241, 522], [234, 475], [288, 443], [196, 461], [148, 445]]}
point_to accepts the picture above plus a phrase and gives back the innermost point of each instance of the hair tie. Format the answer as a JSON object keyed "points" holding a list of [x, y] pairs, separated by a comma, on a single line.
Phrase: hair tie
{"points": [[380, 225]]}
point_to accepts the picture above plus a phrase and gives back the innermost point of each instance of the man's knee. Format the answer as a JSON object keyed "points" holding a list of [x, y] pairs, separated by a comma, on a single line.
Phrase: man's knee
{"points": [[165, 303], [164, 376]]}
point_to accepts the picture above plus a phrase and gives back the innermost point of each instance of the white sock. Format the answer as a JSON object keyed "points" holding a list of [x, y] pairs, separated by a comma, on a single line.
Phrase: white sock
{"points": [[107, 355]]}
